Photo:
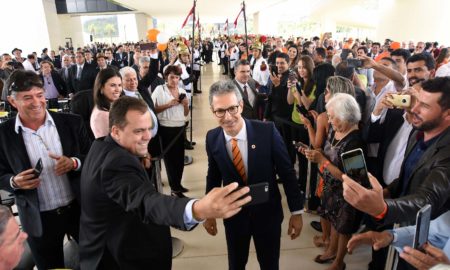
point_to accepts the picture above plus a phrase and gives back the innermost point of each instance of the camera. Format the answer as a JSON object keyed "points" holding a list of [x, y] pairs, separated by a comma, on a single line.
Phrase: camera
{"points": [[354, 62], [181, 97], [402, 101]]}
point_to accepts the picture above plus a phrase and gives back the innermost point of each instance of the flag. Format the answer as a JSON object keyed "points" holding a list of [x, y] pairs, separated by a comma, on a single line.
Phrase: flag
{"points": [[198, 22], [235, 21], [226, 25], [187, 18]]}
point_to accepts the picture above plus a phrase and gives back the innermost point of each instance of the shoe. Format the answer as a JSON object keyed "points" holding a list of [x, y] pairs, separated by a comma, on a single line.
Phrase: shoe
{"points": [[197, 92], [224, 73], [183, 189], [317, 259], [316, 226], [178, 194], [188, 160]]}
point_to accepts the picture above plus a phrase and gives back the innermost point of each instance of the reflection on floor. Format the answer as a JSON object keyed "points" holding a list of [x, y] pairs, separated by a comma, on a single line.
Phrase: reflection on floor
{"points": [[202, 251]]}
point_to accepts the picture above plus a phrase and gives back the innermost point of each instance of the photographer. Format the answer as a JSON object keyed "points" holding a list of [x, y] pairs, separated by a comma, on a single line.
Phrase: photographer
{"points": [[7, 66]]}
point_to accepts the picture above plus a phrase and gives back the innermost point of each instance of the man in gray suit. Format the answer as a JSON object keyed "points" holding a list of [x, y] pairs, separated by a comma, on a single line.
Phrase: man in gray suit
{"points": [[247, 87]]}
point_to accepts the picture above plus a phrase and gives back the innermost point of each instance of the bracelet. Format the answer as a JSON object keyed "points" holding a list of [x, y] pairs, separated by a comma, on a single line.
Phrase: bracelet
{"points": [[324, 166], [381, 215], [75, 164]]}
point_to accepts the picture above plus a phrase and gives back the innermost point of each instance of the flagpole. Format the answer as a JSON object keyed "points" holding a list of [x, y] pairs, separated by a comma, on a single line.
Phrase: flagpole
{"points": [[245, 27], [192, 64], [200, 45]]}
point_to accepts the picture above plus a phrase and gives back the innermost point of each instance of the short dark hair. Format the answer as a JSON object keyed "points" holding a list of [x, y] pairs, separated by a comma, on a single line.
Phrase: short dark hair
{"points": [[5, 216], [364, 48], [345, 70], [241, 62], [103, 76], [390, 60], [322, 52], [31, 56], [47, 62], [283, 55], [23, 80], [401, 52], [376, 43], [120, 107], [174, 69], [429, 60], [439, 85], [306, 45]]}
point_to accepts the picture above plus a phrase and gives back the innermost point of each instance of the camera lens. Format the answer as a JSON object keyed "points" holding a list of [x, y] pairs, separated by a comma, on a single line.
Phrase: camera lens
{"points": [[403, 100]]}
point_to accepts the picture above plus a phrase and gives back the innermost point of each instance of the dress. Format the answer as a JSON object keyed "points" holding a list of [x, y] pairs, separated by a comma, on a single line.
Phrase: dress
{"points": [[344, 218]]}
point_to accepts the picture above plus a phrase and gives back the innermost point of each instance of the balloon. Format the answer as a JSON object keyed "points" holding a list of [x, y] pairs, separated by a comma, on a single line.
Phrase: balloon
{"points": [[152, 33], [163, 37], [162, 46]]}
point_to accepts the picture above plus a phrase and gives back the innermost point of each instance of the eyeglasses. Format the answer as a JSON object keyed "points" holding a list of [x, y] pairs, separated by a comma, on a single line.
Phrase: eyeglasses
{"points": [[220, 113]]}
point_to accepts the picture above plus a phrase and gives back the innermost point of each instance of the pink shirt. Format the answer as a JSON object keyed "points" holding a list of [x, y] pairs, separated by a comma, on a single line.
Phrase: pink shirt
{"points": [[99, 122]]}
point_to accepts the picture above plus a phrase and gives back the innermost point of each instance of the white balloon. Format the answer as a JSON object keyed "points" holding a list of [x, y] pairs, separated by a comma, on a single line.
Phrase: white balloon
{"points": [[162, 37]]}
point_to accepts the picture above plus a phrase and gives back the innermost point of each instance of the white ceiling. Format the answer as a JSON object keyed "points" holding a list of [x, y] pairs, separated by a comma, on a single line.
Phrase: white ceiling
{"points": [[208, 10]]}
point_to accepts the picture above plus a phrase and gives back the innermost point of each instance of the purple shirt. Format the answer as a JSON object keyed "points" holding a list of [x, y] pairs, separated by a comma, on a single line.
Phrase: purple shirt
{"points": [[50, 88]]}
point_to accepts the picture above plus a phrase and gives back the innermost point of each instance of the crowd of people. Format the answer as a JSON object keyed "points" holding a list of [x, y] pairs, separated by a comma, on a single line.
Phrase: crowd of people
{"points": [[287, 102]]}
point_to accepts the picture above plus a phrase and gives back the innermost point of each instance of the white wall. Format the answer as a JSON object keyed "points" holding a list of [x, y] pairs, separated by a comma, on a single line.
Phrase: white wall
{"points": [[143, 23], [70, 27]]}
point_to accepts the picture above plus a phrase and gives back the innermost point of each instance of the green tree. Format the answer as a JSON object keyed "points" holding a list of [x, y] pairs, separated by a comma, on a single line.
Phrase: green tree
{"points": [[110, 29]]}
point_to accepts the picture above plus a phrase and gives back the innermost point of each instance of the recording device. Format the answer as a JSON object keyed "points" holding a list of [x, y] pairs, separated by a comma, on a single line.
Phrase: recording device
{"points": [[273, 70], [38, 168], [354, 62], [181, 97], [355, 166], [422, 227], [303, 111], [259, 193], [148, 46], [302, 145], [292, 76], [402, 101], [2, 106]]}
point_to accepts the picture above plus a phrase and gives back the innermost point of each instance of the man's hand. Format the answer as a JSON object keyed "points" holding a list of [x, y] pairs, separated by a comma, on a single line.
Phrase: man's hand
{"points": [[26, 180], [368, 62], [376, 239], [295, 226], [210, 226], [422, 261], [369, 201], [221, 202], [63, 164], [385, 103], [276, 79]]}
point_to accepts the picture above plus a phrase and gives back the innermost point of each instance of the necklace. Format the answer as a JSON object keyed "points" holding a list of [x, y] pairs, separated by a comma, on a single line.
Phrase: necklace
{"points": [[339, 141]]}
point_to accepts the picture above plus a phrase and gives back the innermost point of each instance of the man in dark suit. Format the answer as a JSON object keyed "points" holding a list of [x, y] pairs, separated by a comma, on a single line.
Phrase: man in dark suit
{"points": [[247, 86], [81, 75], [121, 57], [110, 61], [250, 152], [124, 221], [47, 203]]}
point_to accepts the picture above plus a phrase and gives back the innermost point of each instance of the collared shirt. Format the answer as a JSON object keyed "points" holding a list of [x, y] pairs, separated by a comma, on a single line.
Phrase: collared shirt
{"points": [[242, 143], [54, 191], [79, 70], [50, 88], [251, 95], [438, 236], [154, 119]]}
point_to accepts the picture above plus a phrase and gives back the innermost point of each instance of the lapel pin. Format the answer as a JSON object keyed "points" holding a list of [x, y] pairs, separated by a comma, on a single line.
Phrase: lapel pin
{"points": [[253, 146]]}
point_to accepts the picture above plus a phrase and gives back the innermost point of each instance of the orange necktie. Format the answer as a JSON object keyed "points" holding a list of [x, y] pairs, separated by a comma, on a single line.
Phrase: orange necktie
{"points": [[237, 159]]}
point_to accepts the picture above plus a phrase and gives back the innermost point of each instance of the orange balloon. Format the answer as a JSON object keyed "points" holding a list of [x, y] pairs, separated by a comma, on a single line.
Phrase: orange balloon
{"points": [[162, 46], [152, 33]]}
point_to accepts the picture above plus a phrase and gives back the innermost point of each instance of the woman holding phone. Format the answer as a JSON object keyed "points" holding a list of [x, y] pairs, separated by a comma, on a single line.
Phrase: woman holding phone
{"points": [[172, 107]]}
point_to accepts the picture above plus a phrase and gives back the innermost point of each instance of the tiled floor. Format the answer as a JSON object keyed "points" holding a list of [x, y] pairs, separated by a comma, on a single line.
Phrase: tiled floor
{"points": [[202, 251]]}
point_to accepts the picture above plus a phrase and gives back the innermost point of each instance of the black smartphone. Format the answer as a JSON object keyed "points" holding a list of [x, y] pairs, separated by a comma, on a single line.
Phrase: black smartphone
{"points": [[303, 111], [300, 144], [422, 227], [354, 62], [181, 97], [292, 76], [259, 193], [355, 166], [273, 70], [38, 168]]}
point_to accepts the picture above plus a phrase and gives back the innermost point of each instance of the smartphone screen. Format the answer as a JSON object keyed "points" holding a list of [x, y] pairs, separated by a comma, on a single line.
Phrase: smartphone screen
{"points": [[38, 168], [422, 227], [355, 167]]}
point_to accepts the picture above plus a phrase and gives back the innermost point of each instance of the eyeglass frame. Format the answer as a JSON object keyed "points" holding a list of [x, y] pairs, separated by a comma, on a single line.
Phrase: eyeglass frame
{"points": [[218, 112]]}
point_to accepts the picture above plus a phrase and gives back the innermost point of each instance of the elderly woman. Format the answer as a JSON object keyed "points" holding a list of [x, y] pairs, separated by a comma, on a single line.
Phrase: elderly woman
{"points": [[107, 89], [172, 107], [343, 135]]}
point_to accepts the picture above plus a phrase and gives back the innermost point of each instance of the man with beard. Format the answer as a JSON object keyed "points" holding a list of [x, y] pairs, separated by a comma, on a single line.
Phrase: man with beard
{"points": [[423, 176], [420, 67]]}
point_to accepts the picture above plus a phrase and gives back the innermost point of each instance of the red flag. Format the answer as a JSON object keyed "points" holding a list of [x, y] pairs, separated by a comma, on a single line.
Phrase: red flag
{"points": [[235, 21], [187, 18], [198, 22], [226, 25]]}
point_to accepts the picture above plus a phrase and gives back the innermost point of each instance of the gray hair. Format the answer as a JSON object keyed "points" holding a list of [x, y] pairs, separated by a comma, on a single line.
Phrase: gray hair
{"points": [[126, 70], [339, 84], [345, 108], [144, 59], [5, 216], [223, 87]]}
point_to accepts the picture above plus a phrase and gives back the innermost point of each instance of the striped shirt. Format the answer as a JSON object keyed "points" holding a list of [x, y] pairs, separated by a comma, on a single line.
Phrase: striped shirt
{"points": [[54, 191]]}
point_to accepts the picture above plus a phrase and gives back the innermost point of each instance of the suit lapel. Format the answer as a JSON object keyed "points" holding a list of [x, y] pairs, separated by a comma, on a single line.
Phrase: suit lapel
{"points": [[63, 132], [246, 101], [222, 149], [18, 146], [251, 150]]}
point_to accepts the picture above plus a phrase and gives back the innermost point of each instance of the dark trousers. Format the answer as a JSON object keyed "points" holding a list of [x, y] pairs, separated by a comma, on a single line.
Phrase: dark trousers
{"points": [[300, 134], [267, 245], [225, 65], [174, 157], [47, 249], [197, 77]]}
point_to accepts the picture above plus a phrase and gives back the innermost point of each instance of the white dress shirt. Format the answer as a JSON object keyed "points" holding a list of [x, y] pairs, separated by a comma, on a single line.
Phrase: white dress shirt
{"points": [[154, 119], [251, 95]]}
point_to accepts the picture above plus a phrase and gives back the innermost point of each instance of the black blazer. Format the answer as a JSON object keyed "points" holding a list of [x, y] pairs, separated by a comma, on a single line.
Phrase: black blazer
{"points": [[82, 103], [14, 159], [383, 133], [87, 80], [124, 222], [267, 157], [250, 111], [59, 82]]}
